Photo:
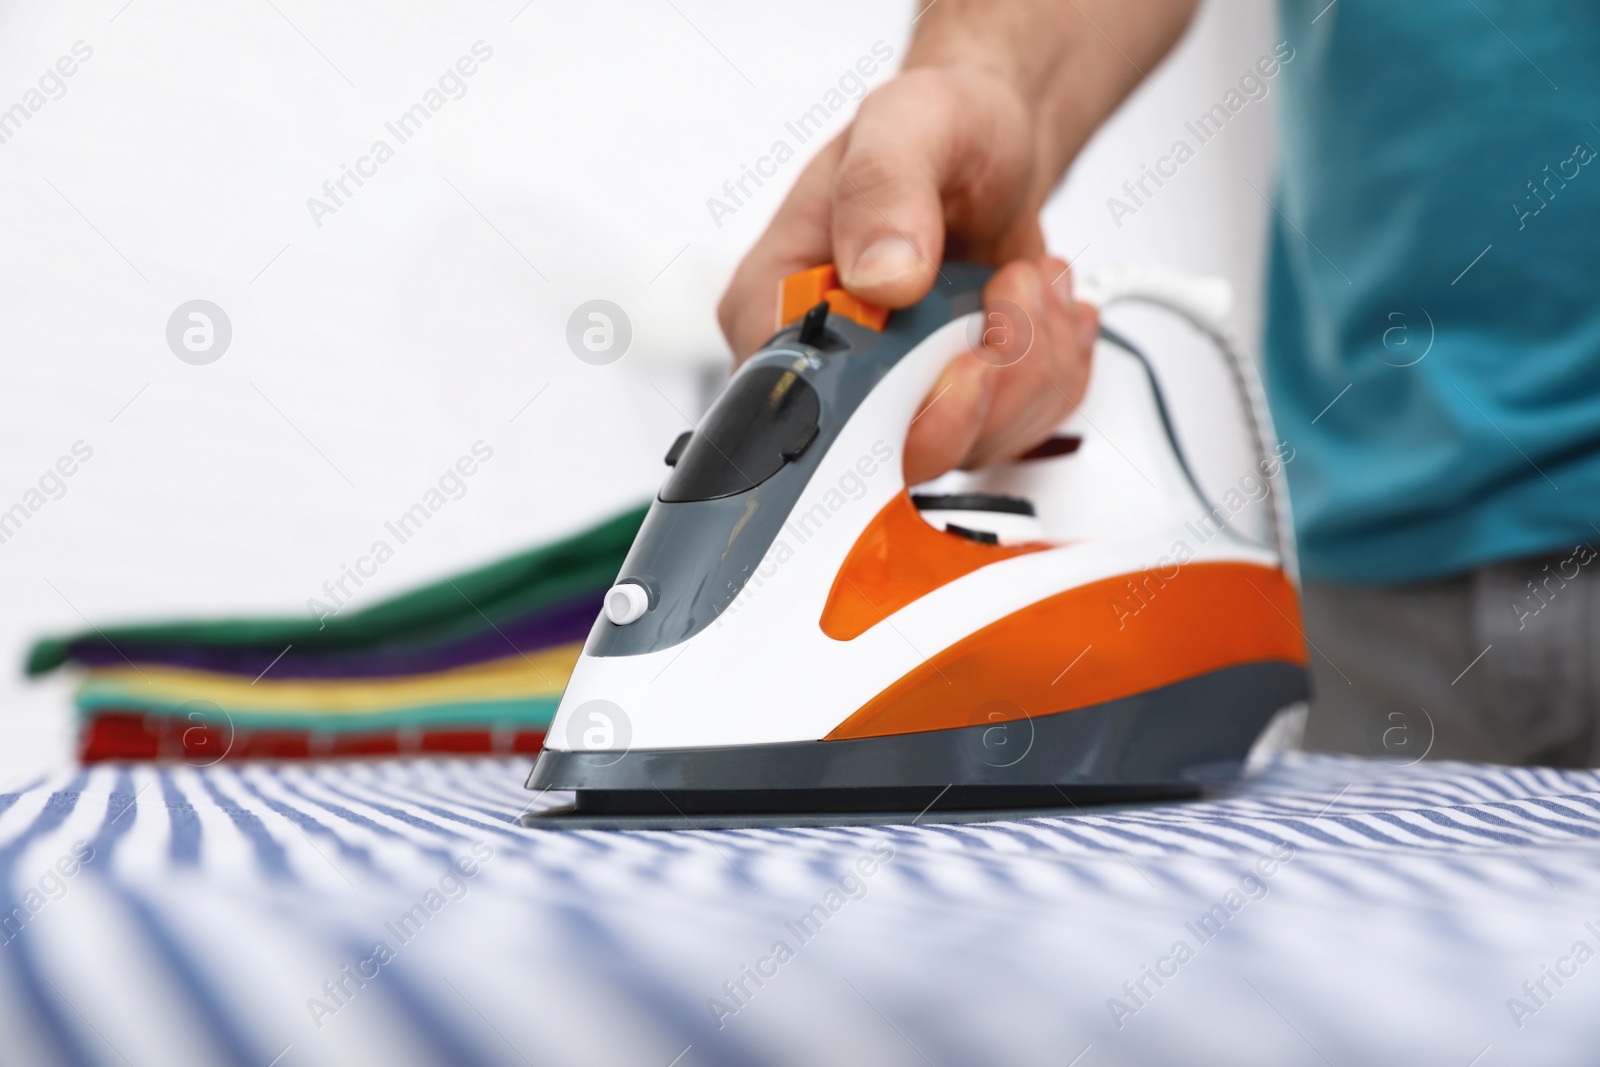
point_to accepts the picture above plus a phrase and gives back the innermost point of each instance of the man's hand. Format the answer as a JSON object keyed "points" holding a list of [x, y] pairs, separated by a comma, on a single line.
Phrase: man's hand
{"points": [[955, 157], [938, 162]]}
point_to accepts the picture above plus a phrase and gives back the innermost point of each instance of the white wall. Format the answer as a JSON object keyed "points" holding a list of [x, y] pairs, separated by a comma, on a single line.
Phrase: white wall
{"points": [[421, 317]]}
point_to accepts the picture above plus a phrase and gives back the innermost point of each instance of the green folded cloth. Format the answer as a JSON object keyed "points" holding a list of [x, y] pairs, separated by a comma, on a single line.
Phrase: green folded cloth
{"points": [[454, 621]]}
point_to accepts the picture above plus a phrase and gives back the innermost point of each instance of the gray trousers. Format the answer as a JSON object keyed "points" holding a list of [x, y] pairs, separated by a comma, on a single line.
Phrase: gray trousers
{"points": [[1500, 665]]}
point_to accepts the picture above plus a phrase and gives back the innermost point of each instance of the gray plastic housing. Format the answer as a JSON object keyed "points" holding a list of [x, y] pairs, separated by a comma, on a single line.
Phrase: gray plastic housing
{"points": [[696, 556]]}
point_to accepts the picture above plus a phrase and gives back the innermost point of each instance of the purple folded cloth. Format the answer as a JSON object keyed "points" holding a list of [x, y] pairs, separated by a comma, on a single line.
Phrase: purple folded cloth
{"points": [[558, 624]]}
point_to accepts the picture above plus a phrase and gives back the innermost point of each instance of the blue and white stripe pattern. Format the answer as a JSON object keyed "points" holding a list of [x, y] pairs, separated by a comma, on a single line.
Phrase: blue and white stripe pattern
{"points": [[1332, 911]]}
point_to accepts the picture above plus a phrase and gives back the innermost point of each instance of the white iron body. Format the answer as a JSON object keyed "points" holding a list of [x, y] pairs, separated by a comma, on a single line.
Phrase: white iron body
{"points": [[764, 673]]}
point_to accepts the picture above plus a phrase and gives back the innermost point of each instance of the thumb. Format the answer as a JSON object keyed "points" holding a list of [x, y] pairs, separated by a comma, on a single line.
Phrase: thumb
{"points": [[888, 214]]}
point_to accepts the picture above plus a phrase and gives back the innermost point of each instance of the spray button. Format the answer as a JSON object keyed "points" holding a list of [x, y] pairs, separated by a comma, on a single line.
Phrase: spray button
{"points": [[803, 291], [626, 602]]}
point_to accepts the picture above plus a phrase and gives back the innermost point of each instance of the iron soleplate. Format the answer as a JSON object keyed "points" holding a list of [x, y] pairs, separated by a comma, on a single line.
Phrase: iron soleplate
{"points": [[820, 808]]}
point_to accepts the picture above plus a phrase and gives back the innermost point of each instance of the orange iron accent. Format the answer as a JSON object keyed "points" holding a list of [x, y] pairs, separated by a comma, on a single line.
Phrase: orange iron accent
{"points": [[899, 558], [1099, 642], [804, 291]]}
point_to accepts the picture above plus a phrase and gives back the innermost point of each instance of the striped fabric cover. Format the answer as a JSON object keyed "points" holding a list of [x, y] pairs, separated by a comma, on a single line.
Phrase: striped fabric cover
{"points": [[1333, 911]]}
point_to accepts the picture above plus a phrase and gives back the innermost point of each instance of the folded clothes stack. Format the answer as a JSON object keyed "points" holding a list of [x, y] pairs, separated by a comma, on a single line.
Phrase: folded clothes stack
{"points": [[475, 663]]}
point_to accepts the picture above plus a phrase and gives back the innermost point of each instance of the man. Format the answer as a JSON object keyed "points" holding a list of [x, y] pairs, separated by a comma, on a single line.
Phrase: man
{"points": [[1433, 330]]}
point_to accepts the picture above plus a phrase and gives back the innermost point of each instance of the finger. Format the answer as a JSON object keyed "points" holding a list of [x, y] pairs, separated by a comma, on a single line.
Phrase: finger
{"points": [[799, 237], [888, 210], [927, 152], [944, 430], [1027, 372], [939, 164], [1040, 360], [888, 214]]}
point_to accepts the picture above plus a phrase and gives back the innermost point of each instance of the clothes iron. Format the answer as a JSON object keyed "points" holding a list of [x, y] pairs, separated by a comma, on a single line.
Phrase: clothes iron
{"points": [[796, 638]]}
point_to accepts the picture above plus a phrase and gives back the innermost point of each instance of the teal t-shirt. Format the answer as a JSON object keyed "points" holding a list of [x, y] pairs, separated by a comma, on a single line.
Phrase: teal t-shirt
{"points": [[1433, 324]]}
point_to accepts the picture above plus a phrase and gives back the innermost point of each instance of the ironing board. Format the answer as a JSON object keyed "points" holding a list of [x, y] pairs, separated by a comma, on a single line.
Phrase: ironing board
{"points": [[1334, 911]]}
